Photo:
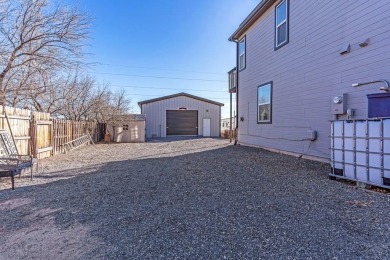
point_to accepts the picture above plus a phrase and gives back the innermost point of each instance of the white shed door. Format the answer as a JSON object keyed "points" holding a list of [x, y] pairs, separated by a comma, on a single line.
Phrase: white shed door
{"points": [[206, 127]]}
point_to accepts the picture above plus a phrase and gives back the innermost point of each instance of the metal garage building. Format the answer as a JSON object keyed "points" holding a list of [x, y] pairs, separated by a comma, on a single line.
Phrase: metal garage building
{"points": [[181, 114]]}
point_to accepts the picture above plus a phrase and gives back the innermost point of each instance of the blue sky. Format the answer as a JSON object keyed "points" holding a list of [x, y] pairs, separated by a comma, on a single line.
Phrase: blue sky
{"points": [[141, 46]]}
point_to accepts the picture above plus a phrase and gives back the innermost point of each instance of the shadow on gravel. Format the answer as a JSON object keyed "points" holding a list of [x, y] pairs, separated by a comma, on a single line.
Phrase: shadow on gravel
{"points": [[69, 173], [233, 202]]}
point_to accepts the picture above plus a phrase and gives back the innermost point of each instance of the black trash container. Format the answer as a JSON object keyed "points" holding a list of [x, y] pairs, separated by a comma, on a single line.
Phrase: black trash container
{"points": [[378, 105]]}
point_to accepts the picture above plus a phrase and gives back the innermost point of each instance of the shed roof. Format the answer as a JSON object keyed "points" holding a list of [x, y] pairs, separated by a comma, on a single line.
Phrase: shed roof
{"points": [[259, 10], [129, 117], [179, 95]]}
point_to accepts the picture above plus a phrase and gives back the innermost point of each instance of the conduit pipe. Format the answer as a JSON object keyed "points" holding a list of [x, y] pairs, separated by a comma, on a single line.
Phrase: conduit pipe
{"points": [[386, 89]]}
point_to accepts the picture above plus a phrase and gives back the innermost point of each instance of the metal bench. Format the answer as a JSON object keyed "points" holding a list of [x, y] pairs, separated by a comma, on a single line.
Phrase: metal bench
{"points": [[12, 163]]}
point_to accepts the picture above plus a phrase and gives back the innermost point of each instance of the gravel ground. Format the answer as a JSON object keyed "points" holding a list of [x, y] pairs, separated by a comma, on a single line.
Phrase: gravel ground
{"points": [[189, 199]]}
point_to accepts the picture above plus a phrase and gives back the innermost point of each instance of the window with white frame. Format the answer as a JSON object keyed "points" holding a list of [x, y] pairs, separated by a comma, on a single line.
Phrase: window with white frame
{"points": [[281, 24], [264, 103], [242, 53]]}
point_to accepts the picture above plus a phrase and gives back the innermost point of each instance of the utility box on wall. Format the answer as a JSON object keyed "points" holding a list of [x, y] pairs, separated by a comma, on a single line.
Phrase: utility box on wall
{"points": [[339, 104], [378, 105]]}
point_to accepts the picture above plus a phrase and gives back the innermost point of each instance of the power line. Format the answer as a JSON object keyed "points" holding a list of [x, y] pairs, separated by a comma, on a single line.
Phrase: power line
{"points": [[130, 86], [158, 77], [163, 69]]}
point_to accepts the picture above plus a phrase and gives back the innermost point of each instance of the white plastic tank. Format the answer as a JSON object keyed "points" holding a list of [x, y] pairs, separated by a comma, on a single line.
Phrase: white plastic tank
{"points": [[360, 149], [386, 147]]}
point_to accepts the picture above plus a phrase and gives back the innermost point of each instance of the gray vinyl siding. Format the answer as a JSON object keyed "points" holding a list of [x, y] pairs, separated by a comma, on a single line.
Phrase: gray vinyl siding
{"points": [[156, 115], [309, 71]]}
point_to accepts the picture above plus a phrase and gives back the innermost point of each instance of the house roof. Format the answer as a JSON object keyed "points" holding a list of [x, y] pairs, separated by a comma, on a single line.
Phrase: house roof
{"points": [[179, 95], [259, 10]]}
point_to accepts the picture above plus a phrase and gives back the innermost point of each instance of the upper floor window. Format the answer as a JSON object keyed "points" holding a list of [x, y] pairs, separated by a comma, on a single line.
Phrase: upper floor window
{"points": [[242, 53], [264, 103], [281, 24]]}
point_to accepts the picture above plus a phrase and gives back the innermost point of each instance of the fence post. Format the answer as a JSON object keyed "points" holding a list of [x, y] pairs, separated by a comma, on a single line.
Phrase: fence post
{"points": [[33, 136], [72, 131], [2, 119], [53, 145]]}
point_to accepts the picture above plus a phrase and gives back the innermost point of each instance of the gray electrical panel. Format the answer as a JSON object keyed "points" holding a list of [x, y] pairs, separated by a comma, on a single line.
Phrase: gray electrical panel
{"points": [[312, 135], [339, 104]]}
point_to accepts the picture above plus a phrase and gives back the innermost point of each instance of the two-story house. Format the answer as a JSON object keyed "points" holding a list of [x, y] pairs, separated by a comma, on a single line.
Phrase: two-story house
{"points": [[301, 64]]}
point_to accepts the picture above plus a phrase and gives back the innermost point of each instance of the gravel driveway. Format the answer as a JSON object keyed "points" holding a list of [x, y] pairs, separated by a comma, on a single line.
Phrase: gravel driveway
{"points": [[189, 199]]}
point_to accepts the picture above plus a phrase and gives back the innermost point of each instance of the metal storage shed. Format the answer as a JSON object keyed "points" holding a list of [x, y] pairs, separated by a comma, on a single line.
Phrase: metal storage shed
{"points": [[181, 114]]}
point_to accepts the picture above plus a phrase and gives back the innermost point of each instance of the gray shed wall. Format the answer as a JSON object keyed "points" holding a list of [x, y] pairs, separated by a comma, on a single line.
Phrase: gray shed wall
{"points": [[309, 71], [156, 115]]}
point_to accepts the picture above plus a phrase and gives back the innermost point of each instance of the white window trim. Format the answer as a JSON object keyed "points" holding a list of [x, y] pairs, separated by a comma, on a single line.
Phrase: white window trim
{"points": [[240, 65], [281, 23]]}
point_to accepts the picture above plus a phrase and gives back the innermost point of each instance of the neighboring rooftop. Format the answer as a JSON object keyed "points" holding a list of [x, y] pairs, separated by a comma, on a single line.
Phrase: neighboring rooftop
{"points": [[179, 95]]}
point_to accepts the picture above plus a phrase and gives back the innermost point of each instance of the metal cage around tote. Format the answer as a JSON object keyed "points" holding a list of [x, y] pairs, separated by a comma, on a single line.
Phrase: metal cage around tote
{"points": [[360, 151]]}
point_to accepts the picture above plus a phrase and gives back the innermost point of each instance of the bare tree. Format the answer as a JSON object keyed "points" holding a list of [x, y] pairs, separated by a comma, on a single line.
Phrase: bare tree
{"points": [[36, 37], [24, 83], [78, 97], [71, 96], [52, 96], [114, 106]]}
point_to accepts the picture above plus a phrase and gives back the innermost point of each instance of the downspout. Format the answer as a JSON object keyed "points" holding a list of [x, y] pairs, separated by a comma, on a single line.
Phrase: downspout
{"points": [[237, 73], [231, 115]]}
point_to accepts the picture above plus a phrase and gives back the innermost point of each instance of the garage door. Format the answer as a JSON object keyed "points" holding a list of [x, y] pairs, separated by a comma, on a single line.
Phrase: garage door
{"points": [[182, 122]]}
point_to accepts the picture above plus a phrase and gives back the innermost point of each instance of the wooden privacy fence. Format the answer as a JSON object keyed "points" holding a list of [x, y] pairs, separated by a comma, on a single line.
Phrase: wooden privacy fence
{"points": [[65, 131], [19, 124], [39, 135]]}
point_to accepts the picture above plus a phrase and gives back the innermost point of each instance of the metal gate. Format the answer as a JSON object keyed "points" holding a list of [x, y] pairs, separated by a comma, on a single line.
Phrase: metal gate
{"points": [[360, 151], [182, 122]]}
